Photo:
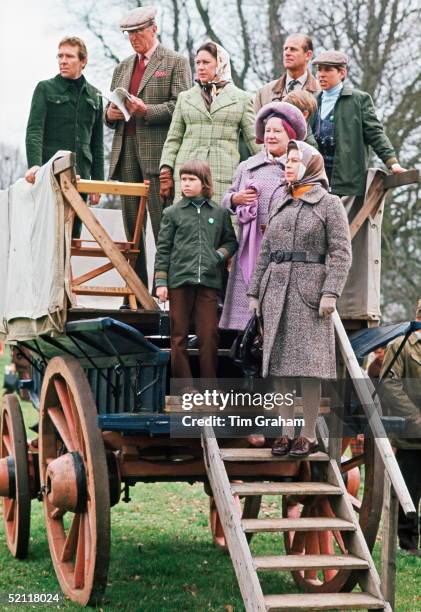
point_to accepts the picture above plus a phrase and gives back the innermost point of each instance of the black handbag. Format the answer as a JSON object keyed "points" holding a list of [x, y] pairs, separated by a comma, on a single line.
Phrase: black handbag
{"points": [[247, 349]]}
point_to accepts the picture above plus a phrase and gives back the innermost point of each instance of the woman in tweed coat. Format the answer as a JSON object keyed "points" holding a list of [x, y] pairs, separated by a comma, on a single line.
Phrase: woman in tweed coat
{"points": [[206, 124], [258, 182], [296, 297]]}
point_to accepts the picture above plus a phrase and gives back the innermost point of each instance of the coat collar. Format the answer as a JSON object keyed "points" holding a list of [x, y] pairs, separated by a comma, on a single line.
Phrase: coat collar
{"points": [[256, 160], [226, 97], [310, 85], [64, 84], [347, 90], [313, 196], [184, 202]]}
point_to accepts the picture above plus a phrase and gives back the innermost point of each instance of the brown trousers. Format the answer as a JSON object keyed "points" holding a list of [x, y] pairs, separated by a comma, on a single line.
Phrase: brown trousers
{"points": [[197, 303]]}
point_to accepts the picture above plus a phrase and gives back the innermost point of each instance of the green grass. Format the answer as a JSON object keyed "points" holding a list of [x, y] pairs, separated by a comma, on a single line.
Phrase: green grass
{"points": [[162, 556]]}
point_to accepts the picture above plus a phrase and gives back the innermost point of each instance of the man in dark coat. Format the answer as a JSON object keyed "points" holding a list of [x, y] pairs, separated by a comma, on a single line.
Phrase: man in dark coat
{"points": [[345, 127], [154, 76], [297, 53], [66, 113], [401, 393]]}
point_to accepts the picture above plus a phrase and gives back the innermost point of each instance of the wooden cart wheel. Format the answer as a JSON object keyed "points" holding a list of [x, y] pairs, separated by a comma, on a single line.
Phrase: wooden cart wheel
{"points": [[14, 478], [250, 509], [369, 508], [74, 482]]}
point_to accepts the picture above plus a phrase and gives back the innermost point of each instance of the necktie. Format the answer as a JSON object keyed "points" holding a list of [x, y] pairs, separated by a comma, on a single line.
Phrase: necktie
{"points": [[292, 85], [138, 72]]}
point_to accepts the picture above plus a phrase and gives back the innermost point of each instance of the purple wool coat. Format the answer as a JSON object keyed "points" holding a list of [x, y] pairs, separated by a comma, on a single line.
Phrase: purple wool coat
{"points": [[270, 179]]}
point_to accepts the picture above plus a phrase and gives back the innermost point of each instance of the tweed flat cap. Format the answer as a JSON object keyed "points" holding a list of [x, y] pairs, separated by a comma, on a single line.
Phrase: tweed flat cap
{"points": [[286, 111], [141, 17], [331, 58]]}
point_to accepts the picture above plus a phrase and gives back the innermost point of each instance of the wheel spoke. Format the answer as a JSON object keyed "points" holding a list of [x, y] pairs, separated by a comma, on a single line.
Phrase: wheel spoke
{"points": [[61, 424], [57, 514], [69, 547], [64, 397], [356, 503], [7, 443], [79, 575], [352, 463], [10, 509], [326, 548], [78, 430]]}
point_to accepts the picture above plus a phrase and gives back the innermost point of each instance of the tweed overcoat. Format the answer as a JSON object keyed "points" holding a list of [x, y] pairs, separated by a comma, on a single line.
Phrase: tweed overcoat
{"points": [[63, 117], [211, 136], [166, 75], [357, 128], [297, 342]]}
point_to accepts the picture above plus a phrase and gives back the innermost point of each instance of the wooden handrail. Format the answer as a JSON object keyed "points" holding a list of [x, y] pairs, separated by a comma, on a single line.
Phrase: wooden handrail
{"points": [[112, 187]]}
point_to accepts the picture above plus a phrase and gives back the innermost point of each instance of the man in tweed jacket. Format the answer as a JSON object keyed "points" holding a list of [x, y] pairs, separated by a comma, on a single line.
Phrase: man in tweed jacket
{"points": [[154, 76]]}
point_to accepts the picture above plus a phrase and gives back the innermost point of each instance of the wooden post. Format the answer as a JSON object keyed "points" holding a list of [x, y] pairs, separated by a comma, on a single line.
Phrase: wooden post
{"points": [[389, 542]]}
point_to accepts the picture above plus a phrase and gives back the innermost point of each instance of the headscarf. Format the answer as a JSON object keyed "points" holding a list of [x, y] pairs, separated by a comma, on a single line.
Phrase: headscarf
{"points": [[222, 76], [312, 168]]}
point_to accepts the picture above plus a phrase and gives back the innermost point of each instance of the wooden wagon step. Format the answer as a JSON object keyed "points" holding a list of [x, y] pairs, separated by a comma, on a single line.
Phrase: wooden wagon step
{"points": [[300, 524], [264, 454], [293, 563], [323, 601], [285, 488]]}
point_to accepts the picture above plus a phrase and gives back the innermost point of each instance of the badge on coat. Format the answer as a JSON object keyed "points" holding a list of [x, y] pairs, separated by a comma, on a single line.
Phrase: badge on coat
{"points": [[211, 220]]}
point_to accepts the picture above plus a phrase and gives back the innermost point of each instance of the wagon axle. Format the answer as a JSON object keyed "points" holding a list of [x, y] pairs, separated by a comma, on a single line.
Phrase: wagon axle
{"points": [[66, 483]]}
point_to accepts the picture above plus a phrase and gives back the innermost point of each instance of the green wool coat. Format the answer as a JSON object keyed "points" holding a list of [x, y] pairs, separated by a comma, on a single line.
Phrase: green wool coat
{"points": [[196, 133], [64, 117], [192, 244], [357, 128]]}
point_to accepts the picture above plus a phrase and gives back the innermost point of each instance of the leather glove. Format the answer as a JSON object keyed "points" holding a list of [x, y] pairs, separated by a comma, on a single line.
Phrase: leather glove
{"points": [[254, 305], [327, 305], [166, 185]]}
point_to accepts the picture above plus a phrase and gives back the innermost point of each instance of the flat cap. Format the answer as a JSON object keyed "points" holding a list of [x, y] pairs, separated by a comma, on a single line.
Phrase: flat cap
{"points": [[331, 58], [141, 17], [285, 111]]}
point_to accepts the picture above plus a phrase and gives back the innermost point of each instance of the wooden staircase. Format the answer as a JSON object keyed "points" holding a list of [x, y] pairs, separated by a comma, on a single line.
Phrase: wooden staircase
{"points": [[356, 557]]}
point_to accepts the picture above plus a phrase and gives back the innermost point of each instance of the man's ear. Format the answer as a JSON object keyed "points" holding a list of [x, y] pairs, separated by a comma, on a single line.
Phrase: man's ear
{"points": [[309, 55], [344, 73]]}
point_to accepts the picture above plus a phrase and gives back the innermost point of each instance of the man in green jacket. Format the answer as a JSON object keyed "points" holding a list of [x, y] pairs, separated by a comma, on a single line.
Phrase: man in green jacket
{"points": [[66, 113], [346, 126]]}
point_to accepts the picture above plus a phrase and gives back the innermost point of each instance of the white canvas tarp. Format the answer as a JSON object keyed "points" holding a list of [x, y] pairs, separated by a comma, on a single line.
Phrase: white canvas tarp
{"points": [[34, 258]]}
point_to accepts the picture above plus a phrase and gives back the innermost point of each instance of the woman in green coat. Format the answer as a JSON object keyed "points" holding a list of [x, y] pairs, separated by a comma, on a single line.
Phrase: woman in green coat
{"points": [[206, 124]]}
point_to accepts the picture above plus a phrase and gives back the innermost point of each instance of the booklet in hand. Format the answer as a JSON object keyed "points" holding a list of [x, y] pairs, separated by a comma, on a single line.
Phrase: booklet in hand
{"points": [[117, 97]]}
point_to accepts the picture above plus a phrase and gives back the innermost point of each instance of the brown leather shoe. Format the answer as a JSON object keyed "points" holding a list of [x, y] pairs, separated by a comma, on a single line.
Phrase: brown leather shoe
{"points": [[301, 447], [281, 446]]}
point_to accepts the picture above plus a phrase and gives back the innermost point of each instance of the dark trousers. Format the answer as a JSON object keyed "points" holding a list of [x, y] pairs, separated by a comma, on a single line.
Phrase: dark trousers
{"points": [[198, 304], [409, 528]]}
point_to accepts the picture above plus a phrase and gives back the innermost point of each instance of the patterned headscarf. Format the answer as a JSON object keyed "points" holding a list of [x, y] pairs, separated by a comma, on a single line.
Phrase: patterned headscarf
{"points": [[312, 168], [222, 76]]}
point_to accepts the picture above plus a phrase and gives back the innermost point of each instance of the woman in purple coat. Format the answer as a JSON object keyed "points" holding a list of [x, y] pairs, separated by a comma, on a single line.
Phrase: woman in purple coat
{"points": [[257, 184]]}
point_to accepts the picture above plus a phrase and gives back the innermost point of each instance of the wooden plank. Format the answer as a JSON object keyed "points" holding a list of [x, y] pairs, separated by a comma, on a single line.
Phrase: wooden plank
{"points": [[308, 562], [67, 162], [398, 180], [79, 280], [371, 204], [300, 524], [104, 240], [356, 544], [389, 543], [264, 454], [112, 187], [322, 601], [242, 561], [285, 488], [95, 252], [361, 381], [97, 290]]}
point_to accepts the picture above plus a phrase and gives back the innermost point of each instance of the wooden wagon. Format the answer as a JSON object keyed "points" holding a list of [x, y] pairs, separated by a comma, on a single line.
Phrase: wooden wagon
{"points": [[105, 424]]}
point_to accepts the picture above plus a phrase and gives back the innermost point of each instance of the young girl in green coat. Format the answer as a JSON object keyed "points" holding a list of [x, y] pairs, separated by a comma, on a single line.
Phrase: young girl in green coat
{"points": [[195, 238]]}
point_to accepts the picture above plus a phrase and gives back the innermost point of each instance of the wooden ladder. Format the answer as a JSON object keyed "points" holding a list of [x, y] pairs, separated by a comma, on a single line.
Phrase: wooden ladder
{"points": [[356, 558]]}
